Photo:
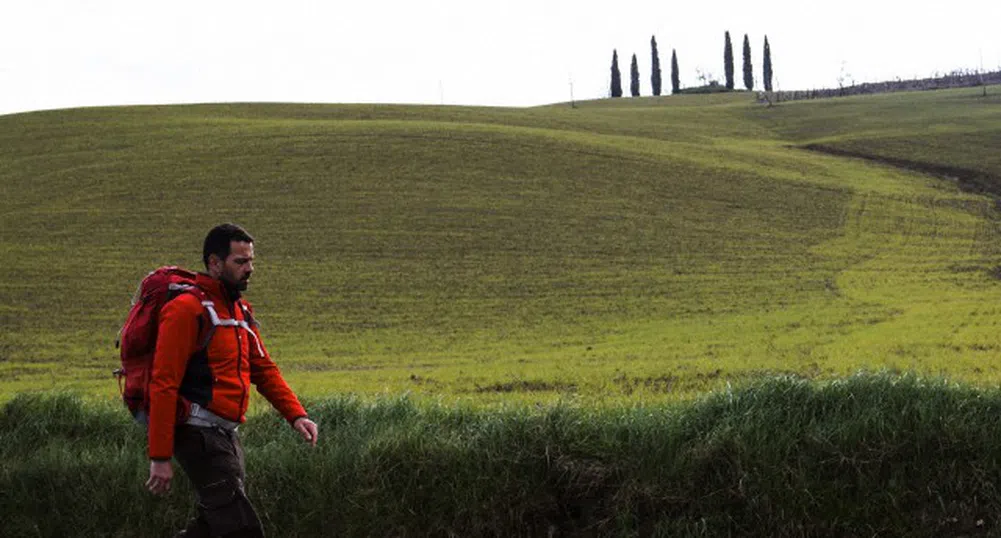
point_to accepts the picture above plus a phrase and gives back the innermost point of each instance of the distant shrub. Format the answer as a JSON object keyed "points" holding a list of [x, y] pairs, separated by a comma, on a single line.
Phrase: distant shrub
{"points": [[713, 87]]}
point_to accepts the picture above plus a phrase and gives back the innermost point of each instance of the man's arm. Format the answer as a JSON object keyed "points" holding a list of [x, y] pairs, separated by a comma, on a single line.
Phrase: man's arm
{"points": [[266, 376], [175, 343]]}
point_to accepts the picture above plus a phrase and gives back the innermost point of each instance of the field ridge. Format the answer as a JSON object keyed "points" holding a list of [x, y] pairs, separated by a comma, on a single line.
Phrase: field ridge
{"points": [[968, 180]]}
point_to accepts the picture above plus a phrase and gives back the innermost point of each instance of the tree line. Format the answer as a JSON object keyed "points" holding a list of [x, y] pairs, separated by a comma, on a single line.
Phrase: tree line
{"points": [[956, 79], [655, 72]]}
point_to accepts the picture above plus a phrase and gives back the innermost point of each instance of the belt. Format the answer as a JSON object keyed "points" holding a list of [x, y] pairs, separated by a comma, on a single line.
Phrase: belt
{"points": [[204, 418]]}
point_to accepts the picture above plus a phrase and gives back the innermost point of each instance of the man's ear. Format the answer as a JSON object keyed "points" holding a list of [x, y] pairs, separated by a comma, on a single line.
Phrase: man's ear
{"points": [[215, 263]]}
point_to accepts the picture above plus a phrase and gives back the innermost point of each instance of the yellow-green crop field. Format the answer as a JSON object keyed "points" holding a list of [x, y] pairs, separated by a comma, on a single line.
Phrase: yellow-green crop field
{"points": [[623, 250]]}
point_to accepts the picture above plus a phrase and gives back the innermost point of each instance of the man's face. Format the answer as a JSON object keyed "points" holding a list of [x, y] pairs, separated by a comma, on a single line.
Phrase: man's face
{"points": [[239, 265]]}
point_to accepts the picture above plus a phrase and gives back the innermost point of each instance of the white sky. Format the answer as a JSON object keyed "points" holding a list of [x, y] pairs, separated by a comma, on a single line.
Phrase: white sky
{"points": [[68, 53]]}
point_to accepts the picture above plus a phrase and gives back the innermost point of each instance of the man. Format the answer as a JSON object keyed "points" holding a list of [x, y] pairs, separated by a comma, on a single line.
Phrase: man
{"points": [[199, 392]]}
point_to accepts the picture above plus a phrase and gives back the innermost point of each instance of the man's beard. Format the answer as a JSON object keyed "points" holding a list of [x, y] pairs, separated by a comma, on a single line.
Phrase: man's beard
{"points": [[237, 284]]}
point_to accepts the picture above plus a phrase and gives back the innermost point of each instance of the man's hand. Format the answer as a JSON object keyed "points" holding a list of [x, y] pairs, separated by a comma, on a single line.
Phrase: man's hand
{"points": [[307, 428], [160, 475]]}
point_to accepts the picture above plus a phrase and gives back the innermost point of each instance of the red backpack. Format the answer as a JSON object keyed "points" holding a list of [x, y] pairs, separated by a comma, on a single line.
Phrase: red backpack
{"points": [[137, 339]]}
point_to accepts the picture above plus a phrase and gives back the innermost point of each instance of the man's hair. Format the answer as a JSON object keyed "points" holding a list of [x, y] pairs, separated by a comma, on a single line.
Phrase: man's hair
{"points": [[218, 240]]}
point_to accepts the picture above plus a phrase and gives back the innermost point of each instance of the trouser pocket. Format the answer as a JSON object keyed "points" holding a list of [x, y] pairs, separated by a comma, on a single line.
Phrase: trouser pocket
{"points": [[213, 461], [225, 508]]}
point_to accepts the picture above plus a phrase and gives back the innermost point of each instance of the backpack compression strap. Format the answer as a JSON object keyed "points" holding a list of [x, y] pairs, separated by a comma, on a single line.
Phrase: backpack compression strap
{"points": [[173, 289], [216, 322]]}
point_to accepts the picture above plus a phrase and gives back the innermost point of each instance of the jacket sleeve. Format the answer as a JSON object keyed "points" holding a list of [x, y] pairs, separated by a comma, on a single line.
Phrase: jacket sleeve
{"points": [[176, 341], [266, 376]]}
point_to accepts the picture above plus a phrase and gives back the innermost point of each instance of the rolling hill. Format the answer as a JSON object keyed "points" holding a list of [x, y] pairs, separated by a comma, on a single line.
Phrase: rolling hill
{"points": [[637, 248]]}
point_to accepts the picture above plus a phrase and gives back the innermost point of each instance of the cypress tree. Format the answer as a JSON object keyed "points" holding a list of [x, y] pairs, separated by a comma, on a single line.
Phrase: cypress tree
{"points": [[655, 67], [748, 69], [728, 61], [616, 77], [675, 81], [768, 66], [634, 78]]}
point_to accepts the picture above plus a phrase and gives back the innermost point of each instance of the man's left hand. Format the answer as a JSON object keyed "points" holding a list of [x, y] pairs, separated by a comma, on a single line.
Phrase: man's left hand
{"points": [[307, 428]]}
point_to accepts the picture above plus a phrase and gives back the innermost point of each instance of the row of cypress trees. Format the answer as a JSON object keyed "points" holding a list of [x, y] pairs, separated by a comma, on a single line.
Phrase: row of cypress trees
{"points": [[655, 73]]}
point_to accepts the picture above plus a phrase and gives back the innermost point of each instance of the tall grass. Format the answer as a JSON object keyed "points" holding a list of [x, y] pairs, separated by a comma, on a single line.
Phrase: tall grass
{"points": [[868, 455]]}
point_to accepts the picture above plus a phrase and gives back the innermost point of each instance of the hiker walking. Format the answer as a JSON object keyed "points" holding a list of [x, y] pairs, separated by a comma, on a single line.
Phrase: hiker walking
{"points": [[208, 352]]}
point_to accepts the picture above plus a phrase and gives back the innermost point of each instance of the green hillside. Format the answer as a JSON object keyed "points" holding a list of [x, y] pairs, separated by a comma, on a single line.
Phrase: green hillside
{"points": [[637, 248], [956, 133]]}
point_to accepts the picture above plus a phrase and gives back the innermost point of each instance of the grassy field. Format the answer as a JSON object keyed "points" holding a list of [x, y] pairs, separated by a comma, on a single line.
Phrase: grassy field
{"points": [[624, 250], [684, 287], [950, 130], [782, 457]]}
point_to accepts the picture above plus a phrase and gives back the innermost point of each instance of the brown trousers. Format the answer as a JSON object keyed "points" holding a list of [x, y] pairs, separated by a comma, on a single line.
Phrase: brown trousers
{"points": [[213, 460]]}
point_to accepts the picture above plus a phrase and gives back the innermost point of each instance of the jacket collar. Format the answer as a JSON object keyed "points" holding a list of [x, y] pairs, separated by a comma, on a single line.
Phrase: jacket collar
{"points": [[216, 288]]}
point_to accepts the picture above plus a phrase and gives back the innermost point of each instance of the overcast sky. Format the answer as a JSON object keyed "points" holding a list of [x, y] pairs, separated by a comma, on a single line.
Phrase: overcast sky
{"points": [[68, 53]]}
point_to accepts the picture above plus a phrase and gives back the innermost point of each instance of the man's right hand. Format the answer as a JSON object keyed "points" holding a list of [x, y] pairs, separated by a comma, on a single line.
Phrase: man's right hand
{"points": [[160, 475]]}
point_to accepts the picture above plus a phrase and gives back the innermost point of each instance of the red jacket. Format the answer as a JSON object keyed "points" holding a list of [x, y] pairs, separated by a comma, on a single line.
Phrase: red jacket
{"points": [[217, 377]]}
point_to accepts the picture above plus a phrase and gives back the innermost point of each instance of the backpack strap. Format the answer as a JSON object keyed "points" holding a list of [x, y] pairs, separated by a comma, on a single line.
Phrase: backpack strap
{"points": [[136, 297], [178, 289], [251, 324], [248, 314], [218, 322]]}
